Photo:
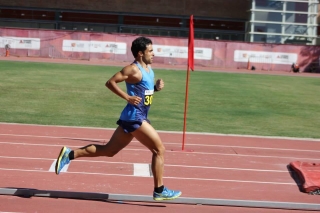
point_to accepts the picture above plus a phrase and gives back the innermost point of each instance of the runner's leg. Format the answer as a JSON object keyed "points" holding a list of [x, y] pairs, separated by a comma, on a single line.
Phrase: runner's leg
{"points": [[148, 136], [118, 141]]}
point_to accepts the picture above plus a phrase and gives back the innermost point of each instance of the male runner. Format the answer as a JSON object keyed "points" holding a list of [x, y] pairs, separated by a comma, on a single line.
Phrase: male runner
{"points": [[133, 122]]}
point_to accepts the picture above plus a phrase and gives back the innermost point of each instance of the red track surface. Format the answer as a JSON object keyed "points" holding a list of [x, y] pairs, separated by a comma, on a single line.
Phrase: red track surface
{"points": [[219, 167]]}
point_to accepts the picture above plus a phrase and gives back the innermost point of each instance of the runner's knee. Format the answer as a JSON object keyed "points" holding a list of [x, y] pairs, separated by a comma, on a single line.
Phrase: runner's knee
{"points": [[160, 150]]}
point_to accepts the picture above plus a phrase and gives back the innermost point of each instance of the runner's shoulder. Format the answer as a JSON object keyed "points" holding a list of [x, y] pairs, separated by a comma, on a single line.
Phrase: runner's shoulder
{"points": [[130, 69]]}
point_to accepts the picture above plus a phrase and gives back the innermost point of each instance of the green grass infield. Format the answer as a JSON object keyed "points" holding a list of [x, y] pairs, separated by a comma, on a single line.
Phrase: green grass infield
{"points": [[229, 103]]}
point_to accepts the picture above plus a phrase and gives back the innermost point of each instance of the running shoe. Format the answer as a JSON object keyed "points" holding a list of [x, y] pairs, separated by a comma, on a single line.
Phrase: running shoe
{"points": [[166, 194], [63, 159]]}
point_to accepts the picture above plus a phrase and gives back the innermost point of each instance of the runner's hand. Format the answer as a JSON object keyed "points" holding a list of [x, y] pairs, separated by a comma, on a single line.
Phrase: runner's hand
{"points": [[159, 84], [134, 100]]}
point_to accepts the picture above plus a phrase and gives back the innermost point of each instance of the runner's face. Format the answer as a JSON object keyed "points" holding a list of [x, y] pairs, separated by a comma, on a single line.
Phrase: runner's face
{"points": [[148, 55]]}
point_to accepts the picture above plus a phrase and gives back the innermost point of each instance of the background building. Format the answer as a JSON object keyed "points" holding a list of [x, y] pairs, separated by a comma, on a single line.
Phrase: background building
{"points": [[214, 19], [286, 21], [266, 21]]}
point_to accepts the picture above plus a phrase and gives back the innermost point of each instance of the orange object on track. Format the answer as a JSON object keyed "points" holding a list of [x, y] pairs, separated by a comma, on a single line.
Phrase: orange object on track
{"points": [[309, 175]]}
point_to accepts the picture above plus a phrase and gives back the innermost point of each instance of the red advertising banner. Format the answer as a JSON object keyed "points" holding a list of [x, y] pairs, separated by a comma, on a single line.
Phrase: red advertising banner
{"points": [[174, 51]]}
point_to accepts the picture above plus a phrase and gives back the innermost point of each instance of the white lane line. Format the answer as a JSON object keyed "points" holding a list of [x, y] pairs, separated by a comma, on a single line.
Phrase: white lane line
{"points": [[198, 145], [167, 165], [175, 178], [54, 137], [250, 147], [64, 169], [189, 153], [11, 212], [169, 132], [141, 170]]}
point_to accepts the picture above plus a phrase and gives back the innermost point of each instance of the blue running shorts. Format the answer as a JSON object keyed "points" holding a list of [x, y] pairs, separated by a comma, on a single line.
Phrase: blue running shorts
{"points": [[130, 126]]}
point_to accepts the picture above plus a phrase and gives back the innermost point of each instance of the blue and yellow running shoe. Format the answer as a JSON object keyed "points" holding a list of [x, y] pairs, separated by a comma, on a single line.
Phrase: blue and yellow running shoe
{"points": [[63, 159], [166, 194]]}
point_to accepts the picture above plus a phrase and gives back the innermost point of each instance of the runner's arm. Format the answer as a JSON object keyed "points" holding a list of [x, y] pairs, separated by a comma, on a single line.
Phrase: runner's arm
{"points": [[112, 84]]}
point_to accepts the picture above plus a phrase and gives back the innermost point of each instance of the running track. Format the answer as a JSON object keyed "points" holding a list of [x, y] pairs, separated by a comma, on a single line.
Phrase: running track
{"points": [[212, 167]]}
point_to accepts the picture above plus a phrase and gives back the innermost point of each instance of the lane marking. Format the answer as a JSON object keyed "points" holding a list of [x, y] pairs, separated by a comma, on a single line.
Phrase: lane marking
{"points": [[169, 132], [188, 153], [167, 165], [141, 170], [55, 137], [64, 169], [11, 212], [99, 140], [150, 172], [175, 178]]}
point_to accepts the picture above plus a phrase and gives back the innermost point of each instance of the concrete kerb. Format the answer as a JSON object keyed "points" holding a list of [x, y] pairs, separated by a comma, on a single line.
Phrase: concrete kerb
{"points": [[25, 192]]}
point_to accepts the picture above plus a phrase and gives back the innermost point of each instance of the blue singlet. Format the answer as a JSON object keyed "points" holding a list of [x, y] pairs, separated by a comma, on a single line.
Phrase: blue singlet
{"points": [[132, 116]]}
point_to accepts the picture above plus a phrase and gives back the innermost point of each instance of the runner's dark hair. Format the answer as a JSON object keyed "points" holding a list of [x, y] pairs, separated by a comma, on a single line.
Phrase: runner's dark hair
{"points": [[139, 44]]}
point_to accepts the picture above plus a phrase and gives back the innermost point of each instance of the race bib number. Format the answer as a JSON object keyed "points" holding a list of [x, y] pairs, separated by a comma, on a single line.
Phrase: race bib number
{"points": [[148, 96]]}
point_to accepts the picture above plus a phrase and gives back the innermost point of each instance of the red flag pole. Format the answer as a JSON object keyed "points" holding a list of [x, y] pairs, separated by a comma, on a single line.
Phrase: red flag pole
{"points": [[185, 109], [190, 66]]}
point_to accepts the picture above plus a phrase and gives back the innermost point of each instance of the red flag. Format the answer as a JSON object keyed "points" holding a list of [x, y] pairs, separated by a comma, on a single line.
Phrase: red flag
{"points": [[191, 45], [190, 66]]}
